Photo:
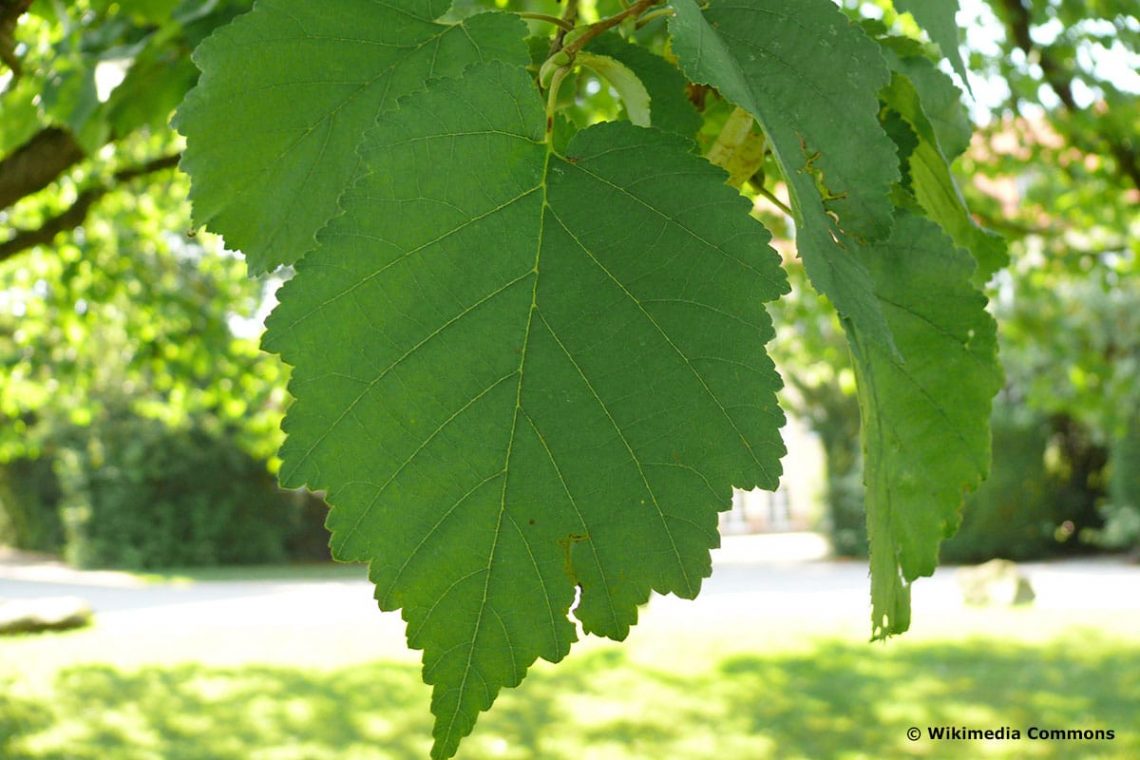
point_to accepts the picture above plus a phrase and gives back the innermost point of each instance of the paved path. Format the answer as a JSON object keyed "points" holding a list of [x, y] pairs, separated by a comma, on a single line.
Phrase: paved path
{"points": [[777, 574]]}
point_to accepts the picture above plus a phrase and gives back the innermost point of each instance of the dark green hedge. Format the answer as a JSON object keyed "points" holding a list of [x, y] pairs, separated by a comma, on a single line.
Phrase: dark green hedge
{"points": [[1010, 515], [1044, 487], [135, 493], [29, 506], [1122, 508]]}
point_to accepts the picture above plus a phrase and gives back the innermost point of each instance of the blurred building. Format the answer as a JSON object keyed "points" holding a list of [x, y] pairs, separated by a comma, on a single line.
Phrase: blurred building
{"points": [[797, 504]]}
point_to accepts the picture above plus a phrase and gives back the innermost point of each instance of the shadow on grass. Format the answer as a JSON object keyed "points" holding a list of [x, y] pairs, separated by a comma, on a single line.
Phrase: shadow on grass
{"points": [[839, 700]]}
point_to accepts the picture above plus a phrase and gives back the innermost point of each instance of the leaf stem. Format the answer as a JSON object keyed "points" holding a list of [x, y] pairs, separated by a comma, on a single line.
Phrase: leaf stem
{"points": [[776, 201], [559, 22], [552, 101], [567, 52], [653, 16]]}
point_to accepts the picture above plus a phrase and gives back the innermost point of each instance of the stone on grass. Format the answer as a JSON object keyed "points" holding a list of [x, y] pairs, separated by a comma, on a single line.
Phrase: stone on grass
{"points": [[57, 613], [995, 583]]}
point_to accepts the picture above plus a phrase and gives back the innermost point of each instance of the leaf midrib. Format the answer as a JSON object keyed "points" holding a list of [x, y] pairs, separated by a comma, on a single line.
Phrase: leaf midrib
{"points": [[521, 371]]}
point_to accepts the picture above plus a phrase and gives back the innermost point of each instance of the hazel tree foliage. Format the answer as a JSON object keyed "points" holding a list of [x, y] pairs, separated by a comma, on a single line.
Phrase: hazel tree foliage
{"points": [[526, 320]]}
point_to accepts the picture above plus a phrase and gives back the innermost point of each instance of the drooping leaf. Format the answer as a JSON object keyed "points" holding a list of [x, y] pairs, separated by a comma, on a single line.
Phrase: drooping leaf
{"points": [[941, 99], [669, 105], [287, 91], [629, 88], [905, 140], [738, 148], [531, 373], [937, 17], [926, 418], [811, 79], [934, 188]]}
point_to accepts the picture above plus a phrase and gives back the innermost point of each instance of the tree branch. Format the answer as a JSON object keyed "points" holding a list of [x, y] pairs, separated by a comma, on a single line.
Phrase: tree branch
{"points": [[75, 214], [10, 12], [599, 27], [570, 17], [49, 153], [1019, 22], [37, 163], [44, 234]]}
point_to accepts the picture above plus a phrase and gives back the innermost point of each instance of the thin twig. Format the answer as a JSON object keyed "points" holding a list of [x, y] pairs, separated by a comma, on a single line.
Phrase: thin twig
{"points": [[600, 27], [77, 212], [560, 23], [569, 17]]}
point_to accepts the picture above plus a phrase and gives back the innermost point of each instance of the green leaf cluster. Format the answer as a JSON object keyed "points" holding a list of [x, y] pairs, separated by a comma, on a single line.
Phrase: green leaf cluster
{"points": [[528, 348]]}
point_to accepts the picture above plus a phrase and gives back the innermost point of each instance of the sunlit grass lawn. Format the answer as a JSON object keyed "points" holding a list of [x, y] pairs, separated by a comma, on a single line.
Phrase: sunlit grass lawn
{"points": [[736, 694]]}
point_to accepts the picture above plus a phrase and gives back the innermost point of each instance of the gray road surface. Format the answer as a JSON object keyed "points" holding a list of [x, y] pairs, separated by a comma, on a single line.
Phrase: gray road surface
{"points": [[777, 574]]}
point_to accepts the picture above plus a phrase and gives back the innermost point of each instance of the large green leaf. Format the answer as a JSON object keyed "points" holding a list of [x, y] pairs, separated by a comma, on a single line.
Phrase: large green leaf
{"points": [[937, 17], [531, 373], [925, 418], [811, 79], [287, 91]]}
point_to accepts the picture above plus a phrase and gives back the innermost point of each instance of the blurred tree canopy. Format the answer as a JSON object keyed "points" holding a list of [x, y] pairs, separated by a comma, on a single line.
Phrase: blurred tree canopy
{"points": [[110, 307], [1056, 168], [128, 345], [107, 300], [87, 94]]}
